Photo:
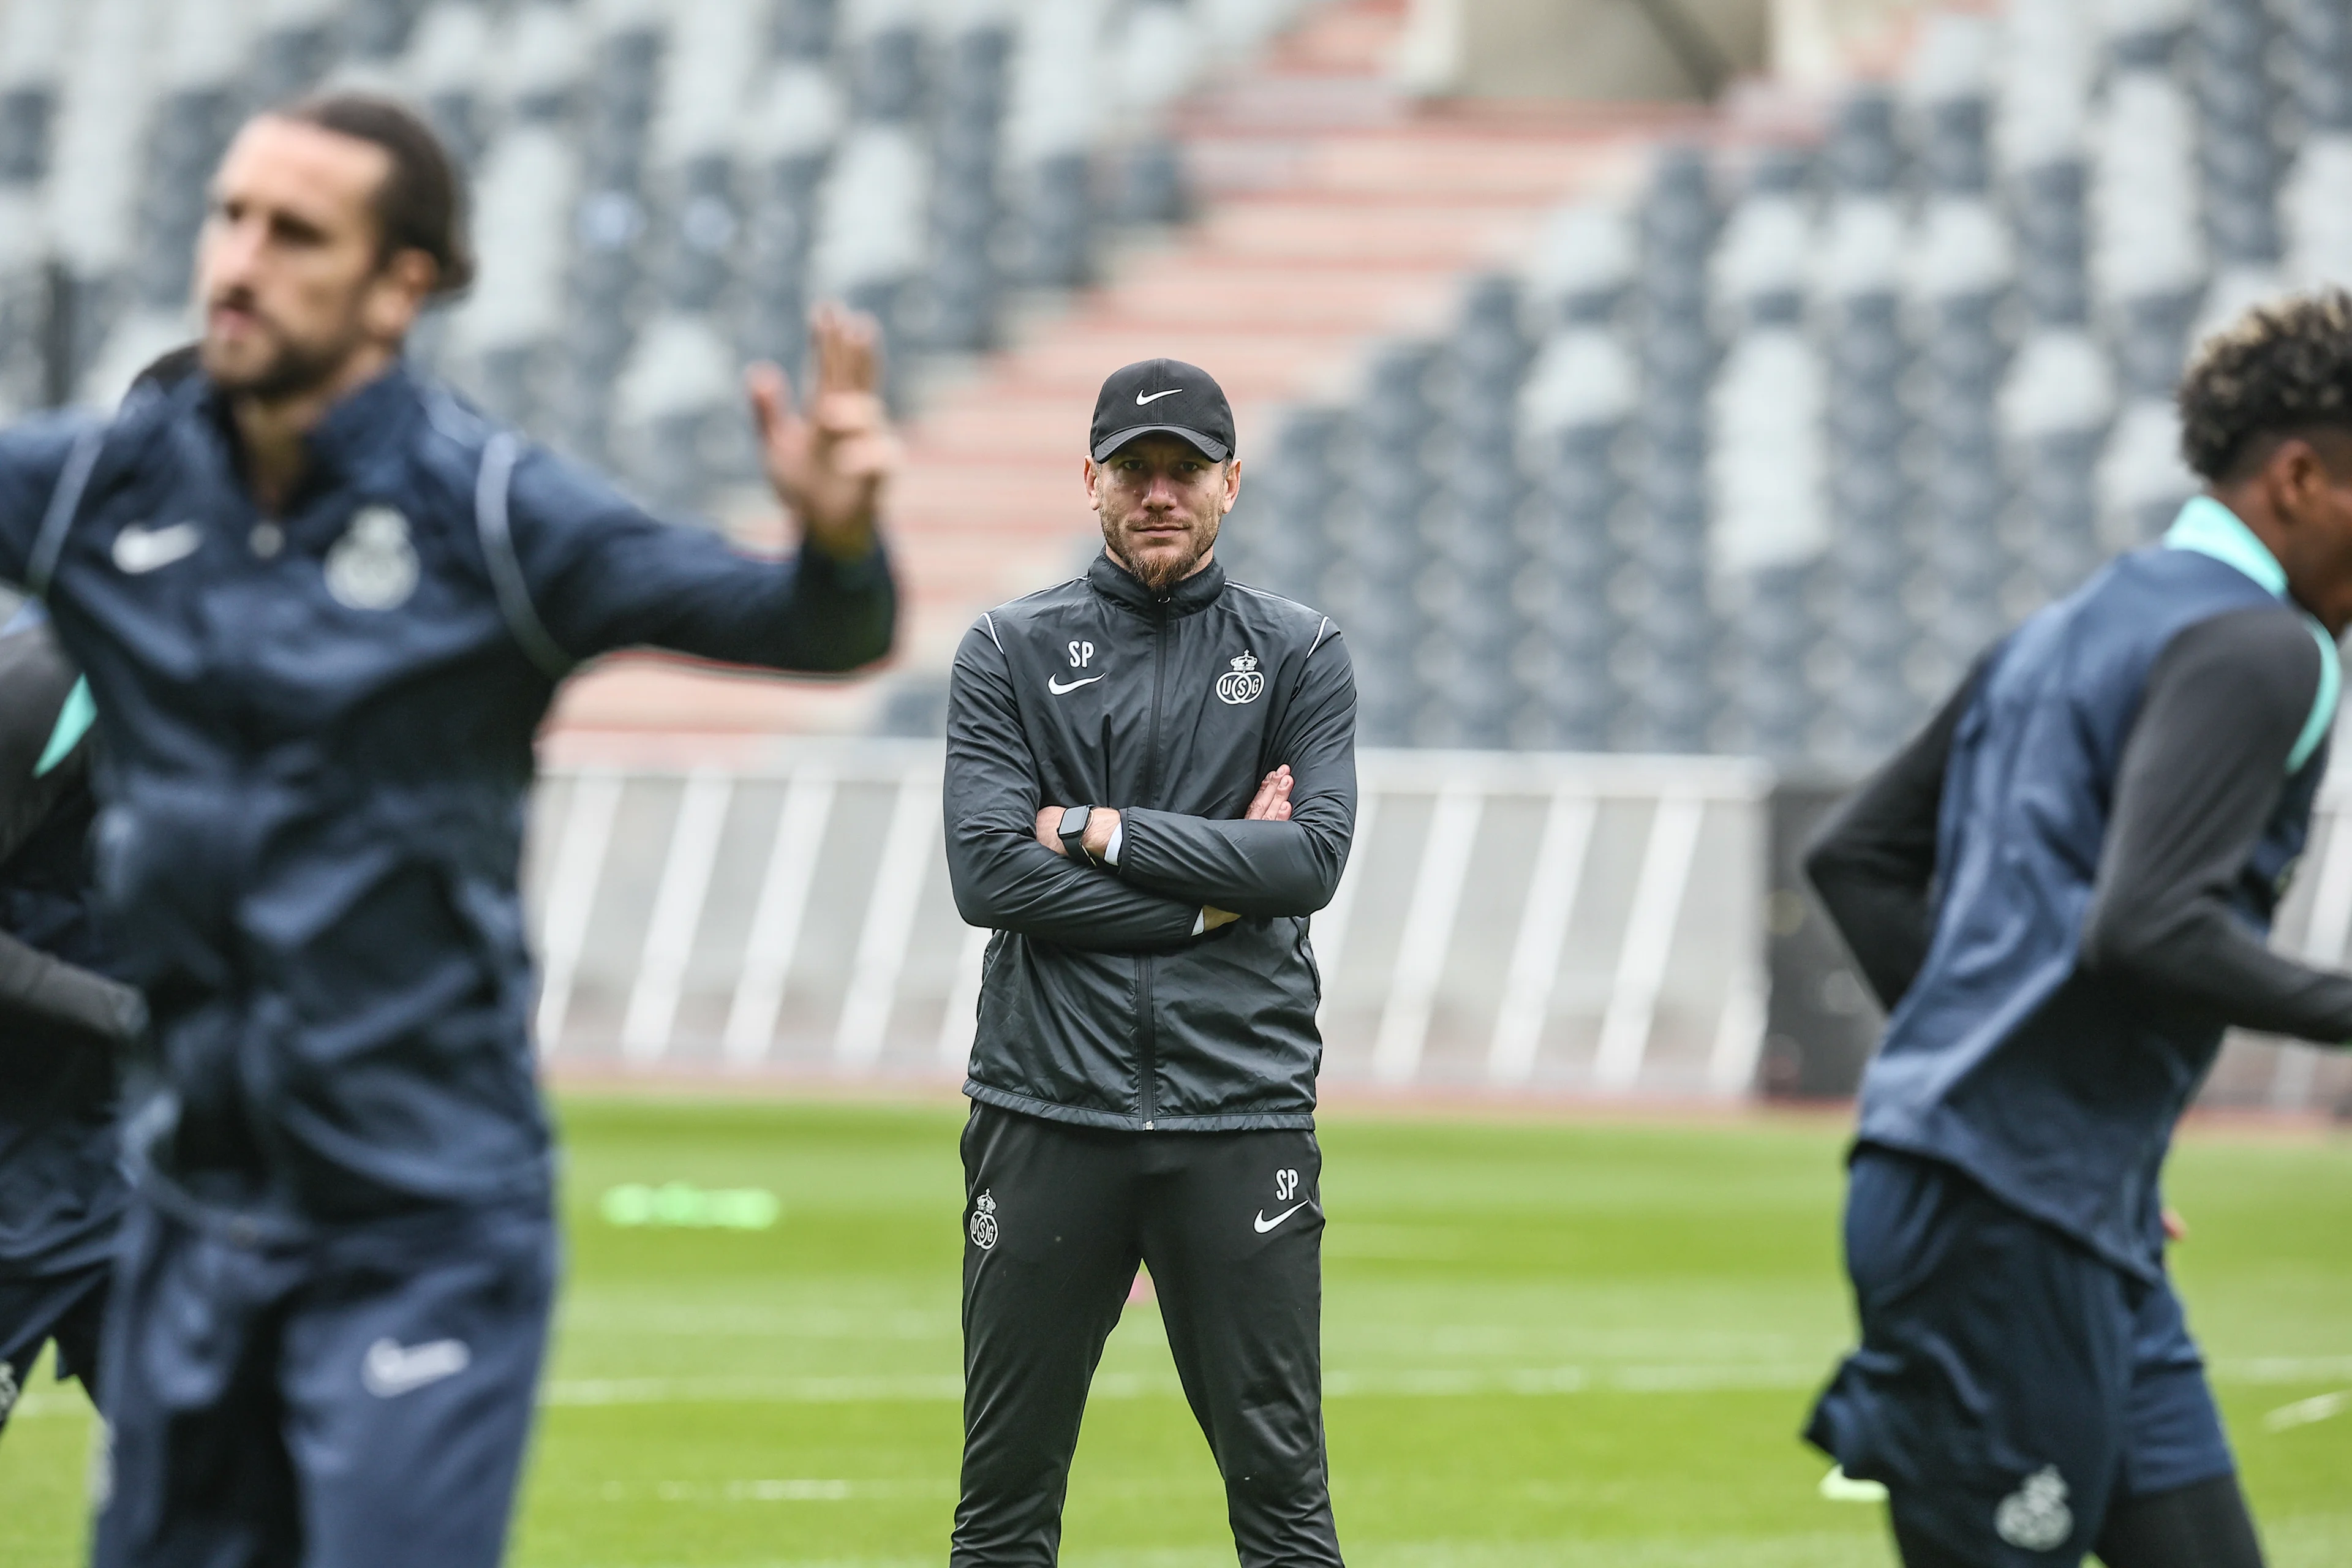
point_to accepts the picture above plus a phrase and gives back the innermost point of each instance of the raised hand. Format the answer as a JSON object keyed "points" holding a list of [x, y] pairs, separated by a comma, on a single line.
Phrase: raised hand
{"points": [[829, 460]]}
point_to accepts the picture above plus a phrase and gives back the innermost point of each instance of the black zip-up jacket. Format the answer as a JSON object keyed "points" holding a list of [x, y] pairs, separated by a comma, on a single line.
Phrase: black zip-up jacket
{"points": [[1098, 1004]]}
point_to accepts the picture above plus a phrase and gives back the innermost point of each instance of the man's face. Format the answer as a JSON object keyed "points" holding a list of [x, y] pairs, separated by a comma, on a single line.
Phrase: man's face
{"points": [[288, 267], [1160, 502], [2310, 484]]}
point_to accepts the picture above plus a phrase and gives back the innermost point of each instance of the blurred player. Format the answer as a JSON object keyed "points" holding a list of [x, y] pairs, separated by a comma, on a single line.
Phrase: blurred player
{"points": [[64, 1023], [1143, 1078], [2060, 891], [323, 608]]}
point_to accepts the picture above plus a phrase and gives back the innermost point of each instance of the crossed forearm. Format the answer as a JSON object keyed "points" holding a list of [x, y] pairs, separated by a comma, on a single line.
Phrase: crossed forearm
{"points": [[1106, 829]]}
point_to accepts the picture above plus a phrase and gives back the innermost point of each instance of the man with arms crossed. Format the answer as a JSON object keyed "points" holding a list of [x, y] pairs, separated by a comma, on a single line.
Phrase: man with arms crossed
{"points": [[2061, 889], [1150, 785], [322, 607]]}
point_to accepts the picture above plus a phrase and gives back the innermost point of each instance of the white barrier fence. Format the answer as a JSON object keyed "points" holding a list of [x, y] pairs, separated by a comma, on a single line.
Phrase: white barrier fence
{"points": [[1580, 923], [1566, 921]]}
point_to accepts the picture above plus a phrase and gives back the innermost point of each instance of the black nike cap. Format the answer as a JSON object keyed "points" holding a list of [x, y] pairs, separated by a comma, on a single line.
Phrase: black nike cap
{"points": [[1162, 397]]}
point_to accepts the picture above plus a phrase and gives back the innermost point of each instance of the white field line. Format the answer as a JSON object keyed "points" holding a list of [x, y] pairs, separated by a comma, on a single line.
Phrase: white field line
{"points": [[750, 1390], [2304, 1411], [2280, 1368], [785, 1491], [1447, 1382]]}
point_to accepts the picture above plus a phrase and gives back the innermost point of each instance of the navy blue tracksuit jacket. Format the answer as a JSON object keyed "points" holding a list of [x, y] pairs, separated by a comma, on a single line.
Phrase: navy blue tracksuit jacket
{"points": [[2049, 1081], [316, 732]]}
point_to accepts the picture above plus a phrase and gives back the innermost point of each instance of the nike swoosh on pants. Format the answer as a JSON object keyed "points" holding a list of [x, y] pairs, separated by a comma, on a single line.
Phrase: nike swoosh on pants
{"points": [[1264, 1225], [390, 1369]]}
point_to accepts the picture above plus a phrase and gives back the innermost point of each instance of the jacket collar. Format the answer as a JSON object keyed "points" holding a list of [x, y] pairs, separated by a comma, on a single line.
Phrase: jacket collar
{"points": [[2209, 527], [1116, 583], [371, 419]]}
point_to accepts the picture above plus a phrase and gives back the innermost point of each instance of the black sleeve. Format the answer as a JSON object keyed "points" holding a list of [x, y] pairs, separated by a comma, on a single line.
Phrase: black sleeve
{"points": [[40, 989], [1004, 878], [2199, 778], [1266, 869], [36, 680], [1873, 864]]}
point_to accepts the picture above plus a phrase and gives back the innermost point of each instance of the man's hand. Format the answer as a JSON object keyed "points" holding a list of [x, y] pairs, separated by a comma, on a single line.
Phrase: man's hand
{"points": [[2174, 1228], [1272, 801], [828, 462], [1272, 804]]}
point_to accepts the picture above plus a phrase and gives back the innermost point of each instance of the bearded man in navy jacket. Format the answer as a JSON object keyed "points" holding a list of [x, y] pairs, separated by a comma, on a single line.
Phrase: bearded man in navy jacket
{"points": [[322, 607]]}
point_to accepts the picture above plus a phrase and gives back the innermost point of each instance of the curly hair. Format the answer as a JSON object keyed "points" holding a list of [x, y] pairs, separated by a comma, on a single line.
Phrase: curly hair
{"points": [[2280, 369]]}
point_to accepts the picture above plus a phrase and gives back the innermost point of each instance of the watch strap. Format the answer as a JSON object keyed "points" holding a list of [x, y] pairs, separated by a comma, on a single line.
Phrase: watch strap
{"points": [[1073, 832]]}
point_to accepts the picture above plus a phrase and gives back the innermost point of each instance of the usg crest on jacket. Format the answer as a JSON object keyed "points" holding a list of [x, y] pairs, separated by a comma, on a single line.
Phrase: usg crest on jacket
{"points": [[1098, 1004], [1242, 683]]}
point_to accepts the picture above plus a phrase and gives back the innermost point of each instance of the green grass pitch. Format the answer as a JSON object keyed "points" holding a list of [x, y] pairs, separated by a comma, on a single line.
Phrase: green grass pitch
{"points": [[1546, 1342]]}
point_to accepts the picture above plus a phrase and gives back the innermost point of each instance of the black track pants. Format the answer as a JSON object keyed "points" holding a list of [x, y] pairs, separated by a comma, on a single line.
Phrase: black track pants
{"points": [[1056, 1219]]}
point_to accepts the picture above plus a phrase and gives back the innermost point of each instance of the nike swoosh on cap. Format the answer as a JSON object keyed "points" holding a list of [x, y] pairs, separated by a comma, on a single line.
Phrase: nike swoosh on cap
{"points": [[1053, 684], [1140, 400]]}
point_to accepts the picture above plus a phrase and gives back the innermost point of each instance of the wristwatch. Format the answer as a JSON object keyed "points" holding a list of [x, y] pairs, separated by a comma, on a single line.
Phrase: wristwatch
{"points": [[1073, 832]]}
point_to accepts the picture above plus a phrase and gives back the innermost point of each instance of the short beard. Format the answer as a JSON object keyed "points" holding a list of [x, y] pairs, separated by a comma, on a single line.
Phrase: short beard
{"points": [[290, 372], [1159, 576]]}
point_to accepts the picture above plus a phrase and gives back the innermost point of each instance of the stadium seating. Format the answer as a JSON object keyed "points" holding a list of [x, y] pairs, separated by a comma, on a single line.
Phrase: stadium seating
{"points": [[1749, 453], [1814, 414], [663, 184]]}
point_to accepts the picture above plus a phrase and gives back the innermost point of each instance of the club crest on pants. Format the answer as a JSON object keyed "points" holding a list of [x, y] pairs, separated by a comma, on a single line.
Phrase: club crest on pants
{"points": [[2035, 1518], [983, 1222]]}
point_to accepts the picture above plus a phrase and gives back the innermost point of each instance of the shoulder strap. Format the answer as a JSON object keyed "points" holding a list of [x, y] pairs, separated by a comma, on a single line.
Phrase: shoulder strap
{"points": [[491, 490], [65, 500]]}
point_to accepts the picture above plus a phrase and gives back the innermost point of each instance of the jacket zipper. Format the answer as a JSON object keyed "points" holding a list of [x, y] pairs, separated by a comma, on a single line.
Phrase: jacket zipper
{"points": [[1147, 1023]]}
